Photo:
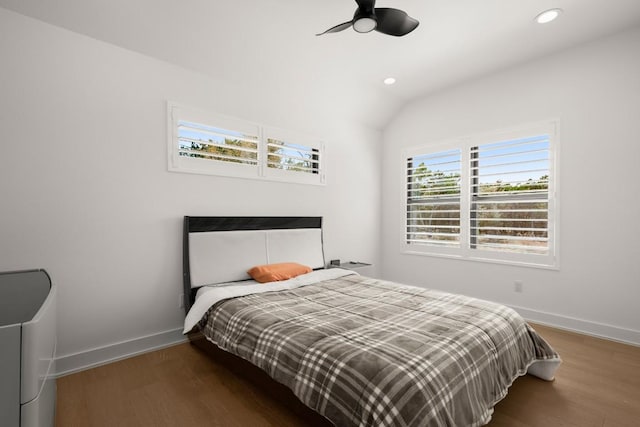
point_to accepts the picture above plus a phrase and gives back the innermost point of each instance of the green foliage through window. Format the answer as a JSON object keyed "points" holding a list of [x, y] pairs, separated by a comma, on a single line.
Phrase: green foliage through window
{"points": [[206, 142]]}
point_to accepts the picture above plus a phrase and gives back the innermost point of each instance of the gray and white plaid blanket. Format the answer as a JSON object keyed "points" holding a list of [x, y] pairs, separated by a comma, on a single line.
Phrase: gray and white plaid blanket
{"points": [[365, 352]]}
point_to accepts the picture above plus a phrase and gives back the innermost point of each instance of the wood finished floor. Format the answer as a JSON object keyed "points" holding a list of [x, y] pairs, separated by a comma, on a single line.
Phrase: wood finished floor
{"points": [[598, 384]]}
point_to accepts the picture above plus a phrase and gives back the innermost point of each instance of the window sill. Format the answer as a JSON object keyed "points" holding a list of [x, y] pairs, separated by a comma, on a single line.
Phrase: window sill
{"points": [[509, 262]]}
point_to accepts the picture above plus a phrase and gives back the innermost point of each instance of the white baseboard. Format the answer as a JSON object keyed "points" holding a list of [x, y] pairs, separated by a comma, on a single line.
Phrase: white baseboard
{"points": [[80, 361], [600, 330], [76, 362]]}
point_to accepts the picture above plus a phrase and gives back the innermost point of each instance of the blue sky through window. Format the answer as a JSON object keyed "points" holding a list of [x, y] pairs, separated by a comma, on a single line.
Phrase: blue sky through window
{"points": [[514, 161]]}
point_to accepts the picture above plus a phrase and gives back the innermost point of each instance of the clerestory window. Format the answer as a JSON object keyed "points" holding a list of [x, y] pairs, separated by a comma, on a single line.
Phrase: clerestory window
{"points": [[212, 144]]}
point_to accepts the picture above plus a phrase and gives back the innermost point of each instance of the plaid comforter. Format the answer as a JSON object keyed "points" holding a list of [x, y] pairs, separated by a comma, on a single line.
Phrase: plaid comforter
{"points": [[364, 352]]}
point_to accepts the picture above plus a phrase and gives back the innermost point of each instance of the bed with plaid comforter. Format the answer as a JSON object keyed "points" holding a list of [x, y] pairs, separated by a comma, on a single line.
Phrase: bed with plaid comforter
{"points": [[365, 352]]}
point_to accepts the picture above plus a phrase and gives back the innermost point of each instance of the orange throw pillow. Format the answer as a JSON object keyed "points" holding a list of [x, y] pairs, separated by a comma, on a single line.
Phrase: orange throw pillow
{"points": [[276, 272]]}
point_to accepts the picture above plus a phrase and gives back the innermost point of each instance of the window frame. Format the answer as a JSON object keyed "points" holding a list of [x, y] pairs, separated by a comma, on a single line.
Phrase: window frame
{"points": [[177, 113], [465, 144]]}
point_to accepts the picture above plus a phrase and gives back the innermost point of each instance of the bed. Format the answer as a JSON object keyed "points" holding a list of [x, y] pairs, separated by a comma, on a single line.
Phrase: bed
{"points": [[358, 351]]}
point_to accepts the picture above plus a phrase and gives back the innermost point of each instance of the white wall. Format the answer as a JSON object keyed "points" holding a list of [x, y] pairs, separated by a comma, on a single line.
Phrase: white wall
{"points": [[85, 192], [595, 92]]}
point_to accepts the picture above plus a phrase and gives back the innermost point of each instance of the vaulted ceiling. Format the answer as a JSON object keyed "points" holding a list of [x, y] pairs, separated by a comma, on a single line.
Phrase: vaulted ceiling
{"points": [[273, 42]]}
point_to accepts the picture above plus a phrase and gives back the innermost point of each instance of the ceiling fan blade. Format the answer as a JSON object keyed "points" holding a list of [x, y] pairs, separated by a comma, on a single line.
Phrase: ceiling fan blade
{"points": [[337, 28], [394, 22]]}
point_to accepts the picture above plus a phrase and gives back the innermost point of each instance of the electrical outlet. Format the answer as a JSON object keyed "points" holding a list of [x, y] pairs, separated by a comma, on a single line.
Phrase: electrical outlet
{"points": [[181, 301], [518, 286]]}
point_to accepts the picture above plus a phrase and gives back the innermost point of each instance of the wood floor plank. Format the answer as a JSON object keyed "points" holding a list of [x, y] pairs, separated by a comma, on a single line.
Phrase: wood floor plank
{"points": [[598, 385]]}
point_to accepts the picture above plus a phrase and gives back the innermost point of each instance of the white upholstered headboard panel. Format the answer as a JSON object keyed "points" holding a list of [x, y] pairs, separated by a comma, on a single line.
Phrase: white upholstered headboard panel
{"points": [[222, 249], [225, 256]]}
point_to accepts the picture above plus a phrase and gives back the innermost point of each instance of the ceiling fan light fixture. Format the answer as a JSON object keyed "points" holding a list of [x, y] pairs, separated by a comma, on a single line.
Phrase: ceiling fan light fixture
{"points": [[548, 16], [364, 25], [385, 20]]}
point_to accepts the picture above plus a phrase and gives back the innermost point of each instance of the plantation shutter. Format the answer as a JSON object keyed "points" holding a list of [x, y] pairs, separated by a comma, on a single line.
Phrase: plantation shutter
{"points": [[201, 141], [510, 195], [292, 157], [433, 199]]}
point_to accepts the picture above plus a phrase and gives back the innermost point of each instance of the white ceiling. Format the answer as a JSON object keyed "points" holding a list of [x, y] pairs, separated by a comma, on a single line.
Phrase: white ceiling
{"points": [[273, 42]]}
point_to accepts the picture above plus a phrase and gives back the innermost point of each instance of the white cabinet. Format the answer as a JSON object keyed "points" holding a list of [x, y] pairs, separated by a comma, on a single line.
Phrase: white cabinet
{"points": [[27, 349]]}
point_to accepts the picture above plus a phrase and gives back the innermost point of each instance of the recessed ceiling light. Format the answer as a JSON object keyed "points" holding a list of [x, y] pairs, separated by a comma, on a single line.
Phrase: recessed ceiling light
{"points": [[389, 81], [548, 16]]}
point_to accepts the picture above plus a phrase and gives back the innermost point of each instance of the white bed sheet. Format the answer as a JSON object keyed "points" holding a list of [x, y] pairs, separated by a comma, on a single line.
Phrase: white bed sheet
{"points": [[207, 288], [209, 295]]}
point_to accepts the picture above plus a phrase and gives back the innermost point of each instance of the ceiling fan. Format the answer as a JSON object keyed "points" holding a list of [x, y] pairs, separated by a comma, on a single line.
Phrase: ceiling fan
{"points": [[394, 22]]}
